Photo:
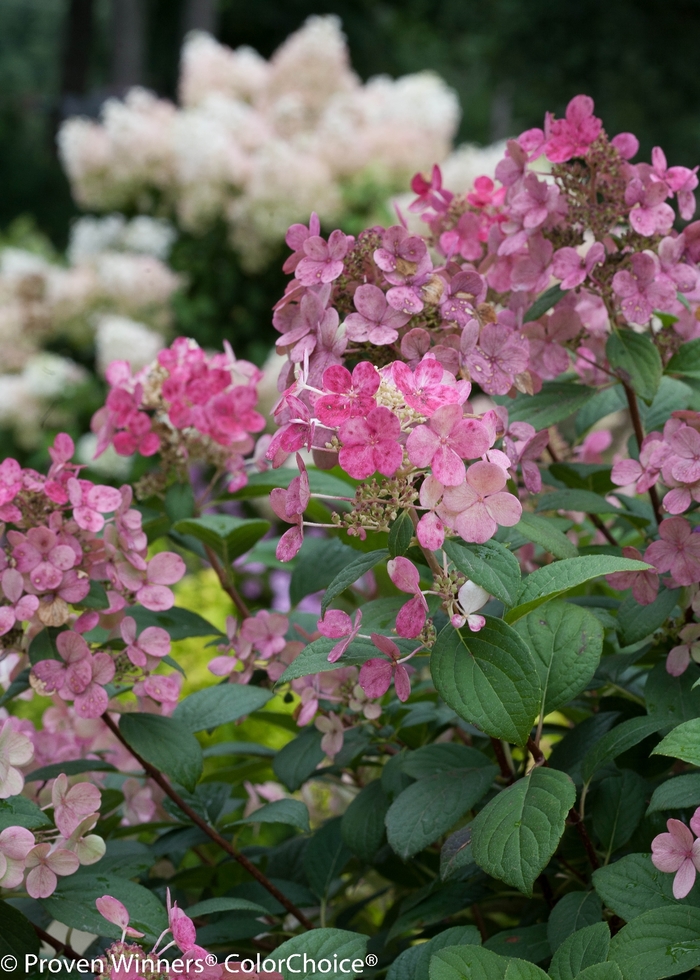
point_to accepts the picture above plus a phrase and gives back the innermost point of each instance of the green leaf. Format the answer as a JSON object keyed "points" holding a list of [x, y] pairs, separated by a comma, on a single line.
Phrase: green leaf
{"points": [[568, 755], [580, 951], [313, 659], [555, 402], [632, 886], [676, 794], [616, 741], [18, 686], [431, 759], [325, 857], [317, 565], [320, 481], [166, 743], [351, 572], [540, 531], [636, 361], [682, 743], [526, 942], [566, 642], [405, 964], [686, 360], [573, 911], [401, 535], [362, 827], [468, 963], [490, 565], [605, 402], [428, 808], [43, 646], [516, 834], [672, 699], [181, 624], [555, 579], [673, 395], [73, 903], [21, 812], [230, 537], [583, 500], [320, 945], [72, 768], [224, 904], [636, 622], [218, 705], [456, 853], [618, 808], [17, 940], [489, 678], [455, 936], [601, 971], [659, 943], [522, 970], [549, 298], [292, 812], [96, 597], [294, 763]]}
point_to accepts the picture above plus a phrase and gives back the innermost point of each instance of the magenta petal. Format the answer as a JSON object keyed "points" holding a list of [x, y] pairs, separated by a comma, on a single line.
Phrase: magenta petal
{"points": [[375, 677], [402, 683]]}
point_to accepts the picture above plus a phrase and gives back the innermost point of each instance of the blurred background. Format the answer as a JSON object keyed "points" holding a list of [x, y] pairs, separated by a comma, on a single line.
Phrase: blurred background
{"points": [[123, 223]]}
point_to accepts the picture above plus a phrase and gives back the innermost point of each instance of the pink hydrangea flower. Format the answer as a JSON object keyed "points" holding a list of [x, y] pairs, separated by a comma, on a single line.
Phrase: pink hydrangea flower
{"points": [[296, 235], [150, 584], [679, 180], [573, 135], [337, 625], [479, 505], [465, 239], [72, 805], [678, 551], [371, 444], [21, 608], [568, 265], [113, 911], [680, 656], [289, 505], [15, 750], [377, 674], [494, 355], [347, 395], [15, 845], [445, 441], [149, 648], [375, 321], [678, 852], [644, 585], [640, 291], [91, 502], [410, 619], [10, 480], [425, 389], [81, 677], [45, 865], [323, 261], [430, 192], [40, 553], [650, 215], [265, 631], [333, 733], [431, 528]]}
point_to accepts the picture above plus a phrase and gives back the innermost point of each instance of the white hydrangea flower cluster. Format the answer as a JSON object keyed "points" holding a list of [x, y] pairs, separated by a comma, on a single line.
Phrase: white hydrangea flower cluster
{"points": [[261, 143]]}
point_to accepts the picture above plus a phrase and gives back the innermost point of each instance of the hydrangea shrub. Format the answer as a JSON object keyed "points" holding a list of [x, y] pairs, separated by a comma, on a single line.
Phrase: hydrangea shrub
{"points": [[453, 720]]}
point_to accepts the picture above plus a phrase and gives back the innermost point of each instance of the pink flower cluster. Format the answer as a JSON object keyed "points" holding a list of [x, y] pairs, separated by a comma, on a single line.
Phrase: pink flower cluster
{"points": [[678, 852], [188, 405]]}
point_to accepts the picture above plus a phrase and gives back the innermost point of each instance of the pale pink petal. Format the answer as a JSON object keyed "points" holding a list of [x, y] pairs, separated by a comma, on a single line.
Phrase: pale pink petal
{"points": [[41, 881]]}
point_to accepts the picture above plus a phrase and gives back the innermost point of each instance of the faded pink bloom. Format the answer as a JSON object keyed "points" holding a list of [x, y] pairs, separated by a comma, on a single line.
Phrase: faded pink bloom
{"points": [[568, 265], [41, 555], [678, 551], [424, 389], [15, 750], [431, 528], [333, 733], [679, 657], [289, 505], [113, 911], [337, 625], [377, 674], [547, 340], [150, 584], [81, 676], [494, 355], [445, 441], [21, 608], [375, 321], [650, 215], [151, 646], [265, 631], [465, 239], [72, 804], [371, 444], [45, 864], [323, 261], [10, 480], [410, 619], [296, 235], [91, 502], [347, 395], [534, 201], [644, 585], [682, 275], [163, 689], [464, 292], [593, 446], [476, 508], [15, 844], [679, 180], [571, 136], [678, 851], [640, 291], [684, 464]]}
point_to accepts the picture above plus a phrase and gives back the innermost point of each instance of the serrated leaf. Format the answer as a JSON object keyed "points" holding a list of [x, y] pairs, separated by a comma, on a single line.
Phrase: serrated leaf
{"points": [[526, 942], [672, 700], [540, 531], [618, 740], [455, 936], [218, 705], [490, 565], [601, 971], [573, 911], [467, 963], [291, 812], [516, 834], [635, 622], [230, 537], [580, 951], [523, 970], [456, 853], [166, 743], [224, 904], [686, 360], [362, 827], [632, 886], [682, 743], [673, 395], [334, 945], [578, 500], [294, 763], [549, 298], [489, 678], [555, 402], [17, 940], [325, 857], [401, 534], [618, 808], [676, 794], [553, 580], [21, 812], [428, 808], [431, 759], [566, 642], [636, 361], [659, 943], [351, 573]]}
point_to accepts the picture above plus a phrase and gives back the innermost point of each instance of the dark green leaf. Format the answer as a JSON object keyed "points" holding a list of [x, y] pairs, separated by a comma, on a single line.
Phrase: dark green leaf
{"points": [[468, 963], [686, 360], [317, 565], [583, 500], [219, 705], [401, 534], [351, 572], [96, 597], [566, 642], [456, 854], [605, 402], [516, 834], [292, 812], [17, 940], [298, 759], [325, 857], [659, 943], [69, 768], [260, 484], [636, 361], [549, 298], [21, 812], [555, 402], [632, 886], [224, 904], [362, 827], [635, 622], [540, 531], [568, 755], [179, 623], [618, 808], [489, 678], [527, 942], [682, 743], [321, 945], [18, 686], [672, 396], [573, 911], [616, 741], [230, 537], [431, 759], [490, 565], [165, 743], [455, 936], [43, 646], [313, 659], [672, 699], [581, 950], [676, 794]]}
